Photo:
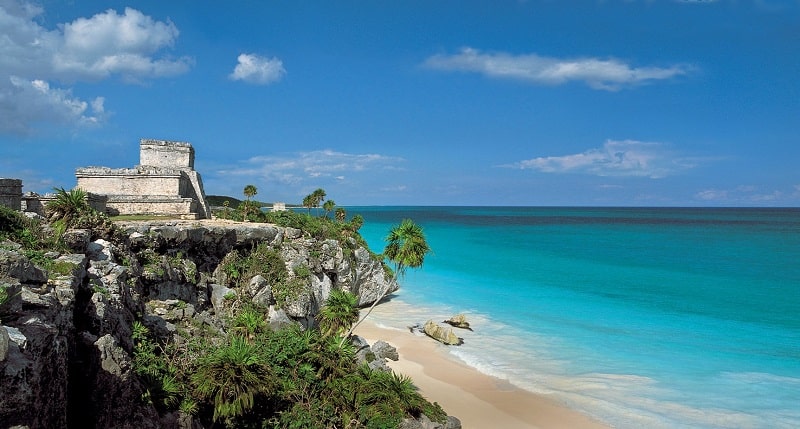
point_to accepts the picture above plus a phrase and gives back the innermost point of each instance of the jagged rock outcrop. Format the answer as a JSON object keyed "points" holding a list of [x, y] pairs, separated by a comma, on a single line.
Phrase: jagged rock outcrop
{"points": [[39, 329], [66, 339], [374, 355]]}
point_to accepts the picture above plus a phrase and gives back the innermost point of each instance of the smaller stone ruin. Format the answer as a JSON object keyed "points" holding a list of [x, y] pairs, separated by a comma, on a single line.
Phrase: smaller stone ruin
{"points": [[165, 183], [11, 193]]}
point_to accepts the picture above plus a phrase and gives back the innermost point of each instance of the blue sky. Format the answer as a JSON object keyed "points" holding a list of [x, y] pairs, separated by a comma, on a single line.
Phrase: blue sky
{"points": [[634, 103]]}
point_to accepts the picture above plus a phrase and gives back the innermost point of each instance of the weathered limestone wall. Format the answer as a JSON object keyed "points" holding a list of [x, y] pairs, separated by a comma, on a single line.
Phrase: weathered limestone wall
{"points": [[121, 204], [35, 203], [167, 154], [198, 194], [165, 183], [11, 193], [131, 181]]}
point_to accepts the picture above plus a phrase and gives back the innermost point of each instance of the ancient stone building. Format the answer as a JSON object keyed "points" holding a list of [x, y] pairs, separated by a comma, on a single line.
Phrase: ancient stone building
{"points": [[165, 183], [11, 193]]}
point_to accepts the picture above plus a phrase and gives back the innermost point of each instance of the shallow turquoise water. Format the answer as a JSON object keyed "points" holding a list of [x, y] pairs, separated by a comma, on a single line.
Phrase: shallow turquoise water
{"points": [[641, 317]]}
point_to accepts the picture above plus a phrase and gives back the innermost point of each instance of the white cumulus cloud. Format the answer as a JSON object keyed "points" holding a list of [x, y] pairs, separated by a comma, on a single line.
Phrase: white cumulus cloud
{"points": [[615, 158], [605, 74], [258, 70], [109, 43], [33, 58], [35, 101]]}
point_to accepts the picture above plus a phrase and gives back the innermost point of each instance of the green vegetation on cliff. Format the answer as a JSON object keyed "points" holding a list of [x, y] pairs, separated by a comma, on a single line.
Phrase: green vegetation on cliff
{"points": [[224, 364]]}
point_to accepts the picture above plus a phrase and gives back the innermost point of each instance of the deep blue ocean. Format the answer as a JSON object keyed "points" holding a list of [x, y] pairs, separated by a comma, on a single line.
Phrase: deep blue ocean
{"points": [[639, 317]]}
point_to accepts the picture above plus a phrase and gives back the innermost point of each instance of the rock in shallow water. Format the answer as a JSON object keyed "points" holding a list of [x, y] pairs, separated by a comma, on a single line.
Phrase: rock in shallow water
{"points": [[442, 334], [458, 321]]}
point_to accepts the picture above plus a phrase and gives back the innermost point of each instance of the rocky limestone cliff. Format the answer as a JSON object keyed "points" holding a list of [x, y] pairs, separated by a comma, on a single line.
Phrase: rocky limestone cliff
{"points": [[65, 335]]}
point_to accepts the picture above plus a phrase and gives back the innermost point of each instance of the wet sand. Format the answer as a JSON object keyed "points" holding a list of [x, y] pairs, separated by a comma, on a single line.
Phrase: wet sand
{"points": [[478, 400]]}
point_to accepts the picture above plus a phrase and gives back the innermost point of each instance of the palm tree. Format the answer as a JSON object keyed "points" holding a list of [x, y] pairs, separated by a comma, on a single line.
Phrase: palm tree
{"points": [[249, 192], [341, 214], [225, 206], [308, 202], [357, 222], [328, 206], [317, 196], [339, 312], [314, 199], [406, 248]]}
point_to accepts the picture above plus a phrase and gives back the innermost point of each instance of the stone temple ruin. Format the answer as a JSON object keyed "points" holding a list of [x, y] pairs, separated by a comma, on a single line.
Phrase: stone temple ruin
{"points": [[165, 183], [11, 193]]}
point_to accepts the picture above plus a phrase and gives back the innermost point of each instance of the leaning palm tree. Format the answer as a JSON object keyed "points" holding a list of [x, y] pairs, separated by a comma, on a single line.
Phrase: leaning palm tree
{"points": [[341, 214], [339, 312], [328, 206], [318, 196], [308, 202], [406, 248], [357, 222]]}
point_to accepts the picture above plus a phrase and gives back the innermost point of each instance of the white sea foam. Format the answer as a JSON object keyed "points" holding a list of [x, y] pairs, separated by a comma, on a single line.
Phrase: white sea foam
{"points": [[605, 311], [621, 400]]}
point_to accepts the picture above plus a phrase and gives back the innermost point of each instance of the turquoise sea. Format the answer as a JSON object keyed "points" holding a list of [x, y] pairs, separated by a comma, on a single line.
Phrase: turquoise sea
{"points": [[639, 317]]}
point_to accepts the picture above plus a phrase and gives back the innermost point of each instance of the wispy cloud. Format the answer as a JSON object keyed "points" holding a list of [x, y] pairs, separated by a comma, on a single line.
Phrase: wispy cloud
{"points": [[258, 70], [615, 158], [605, 74], [313, 166], [130, 46], [748, 194]]}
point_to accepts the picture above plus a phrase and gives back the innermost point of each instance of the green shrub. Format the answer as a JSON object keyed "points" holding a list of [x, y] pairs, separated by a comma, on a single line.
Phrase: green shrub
{"points": [[263, 260], [3, 295], [11, 223], [60, 268], [302, 271], [231, 376], [288, 290]]}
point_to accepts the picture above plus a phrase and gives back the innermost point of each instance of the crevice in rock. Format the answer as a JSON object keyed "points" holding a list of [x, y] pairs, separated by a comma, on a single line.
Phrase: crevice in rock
{"points": [[83, 364]]}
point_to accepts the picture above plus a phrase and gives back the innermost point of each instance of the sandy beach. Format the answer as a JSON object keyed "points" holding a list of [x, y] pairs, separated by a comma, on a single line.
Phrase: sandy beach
{"points": [[478, 400]]}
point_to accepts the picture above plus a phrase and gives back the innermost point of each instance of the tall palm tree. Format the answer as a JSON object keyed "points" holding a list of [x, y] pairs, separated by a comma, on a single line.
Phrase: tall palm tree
{"points": [[406, 247], [308, 202], [341, 214], [339, 312], [328, 206], [357, 222], [249, 192], [318, 196]]}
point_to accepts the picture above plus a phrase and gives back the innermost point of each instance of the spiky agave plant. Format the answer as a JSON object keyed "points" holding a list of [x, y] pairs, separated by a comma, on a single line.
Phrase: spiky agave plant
{"points": [[339, 313], [67, 205], [231, 376]]}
